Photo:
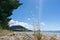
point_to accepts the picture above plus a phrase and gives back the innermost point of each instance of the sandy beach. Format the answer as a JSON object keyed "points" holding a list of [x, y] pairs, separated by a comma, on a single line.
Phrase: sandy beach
{"points": [[29, 36], [50, 36]]}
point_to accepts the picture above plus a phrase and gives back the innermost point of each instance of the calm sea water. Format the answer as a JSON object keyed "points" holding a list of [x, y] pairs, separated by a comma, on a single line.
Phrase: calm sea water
{"points": [[55, 32]]}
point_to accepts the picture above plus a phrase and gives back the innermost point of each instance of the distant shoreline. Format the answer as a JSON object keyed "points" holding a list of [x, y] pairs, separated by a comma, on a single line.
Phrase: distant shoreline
{"points": [[51, 32]]}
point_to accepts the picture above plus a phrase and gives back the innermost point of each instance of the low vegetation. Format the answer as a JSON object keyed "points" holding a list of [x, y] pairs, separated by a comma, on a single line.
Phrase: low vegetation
{"points": [[4, 32], [52, 38], [38, 35]]}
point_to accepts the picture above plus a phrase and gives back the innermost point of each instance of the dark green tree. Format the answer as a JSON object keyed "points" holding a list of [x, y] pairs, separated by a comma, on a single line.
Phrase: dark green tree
{"points": [[6, 8]]}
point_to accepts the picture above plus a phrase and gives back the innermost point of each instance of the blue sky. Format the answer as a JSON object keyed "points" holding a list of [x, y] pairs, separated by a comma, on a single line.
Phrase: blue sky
{"points": [[46, 11]]}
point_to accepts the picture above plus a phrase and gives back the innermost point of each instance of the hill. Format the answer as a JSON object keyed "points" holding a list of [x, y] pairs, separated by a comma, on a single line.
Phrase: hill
{"points": [[19, 28]]}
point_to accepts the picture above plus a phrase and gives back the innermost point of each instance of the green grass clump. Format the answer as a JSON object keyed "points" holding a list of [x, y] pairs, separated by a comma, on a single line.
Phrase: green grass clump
{"points": [[0, 27], [52, 38], [38, 35], [4, 32]]}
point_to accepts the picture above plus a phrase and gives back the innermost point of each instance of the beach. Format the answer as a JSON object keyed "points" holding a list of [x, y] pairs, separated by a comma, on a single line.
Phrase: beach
{"points": [[29, 36], [50, 36]]}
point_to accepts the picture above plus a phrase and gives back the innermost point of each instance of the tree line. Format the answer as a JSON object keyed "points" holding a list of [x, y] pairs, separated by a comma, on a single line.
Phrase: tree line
{"points": [[6, 8]]}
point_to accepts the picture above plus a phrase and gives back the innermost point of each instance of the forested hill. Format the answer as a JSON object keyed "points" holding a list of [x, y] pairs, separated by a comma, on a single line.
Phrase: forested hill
{"points": [[19, 28]]}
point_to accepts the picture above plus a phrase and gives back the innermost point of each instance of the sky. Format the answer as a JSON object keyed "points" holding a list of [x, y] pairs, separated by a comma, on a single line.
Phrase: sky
{"points": [[47, 12]]}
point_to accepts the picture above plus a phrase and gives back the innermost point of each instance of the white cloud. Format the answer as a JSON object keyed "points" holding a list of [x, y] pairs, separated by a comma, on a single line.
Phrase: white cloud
{"points": [[26, 25], [42, 23]]}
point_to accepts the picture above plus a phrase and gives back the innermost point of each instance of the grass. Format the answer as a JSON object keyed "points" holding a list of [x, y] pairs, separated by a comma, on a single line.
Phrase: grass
{"points": [[4, 32], [38, 35], [52, 38]]}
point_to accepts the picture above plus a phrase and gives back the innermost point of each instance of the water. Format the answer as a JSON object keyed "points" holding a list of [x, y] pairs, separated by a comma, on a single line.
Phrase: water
{"points": [[54, 32]]}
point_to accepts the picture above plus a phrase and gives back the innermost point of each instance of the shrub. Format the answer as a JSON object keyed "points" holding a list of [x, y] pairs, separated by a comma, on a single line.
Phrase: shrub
{"points": [[38, 35], [0, 27], [52, 38]]}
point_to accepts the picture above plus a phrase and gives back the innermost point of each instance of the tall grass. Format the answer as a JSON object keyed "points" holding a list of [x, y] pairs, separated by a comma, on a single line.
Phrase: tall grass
{"points": [[37, 35], [53, 38]]}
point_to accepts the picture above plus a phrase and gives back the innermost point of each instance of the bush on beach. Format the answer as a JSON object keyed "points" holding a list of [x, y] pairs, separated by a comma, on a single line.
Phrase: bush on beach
{"points": [[52, 38], [38, 35]]}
